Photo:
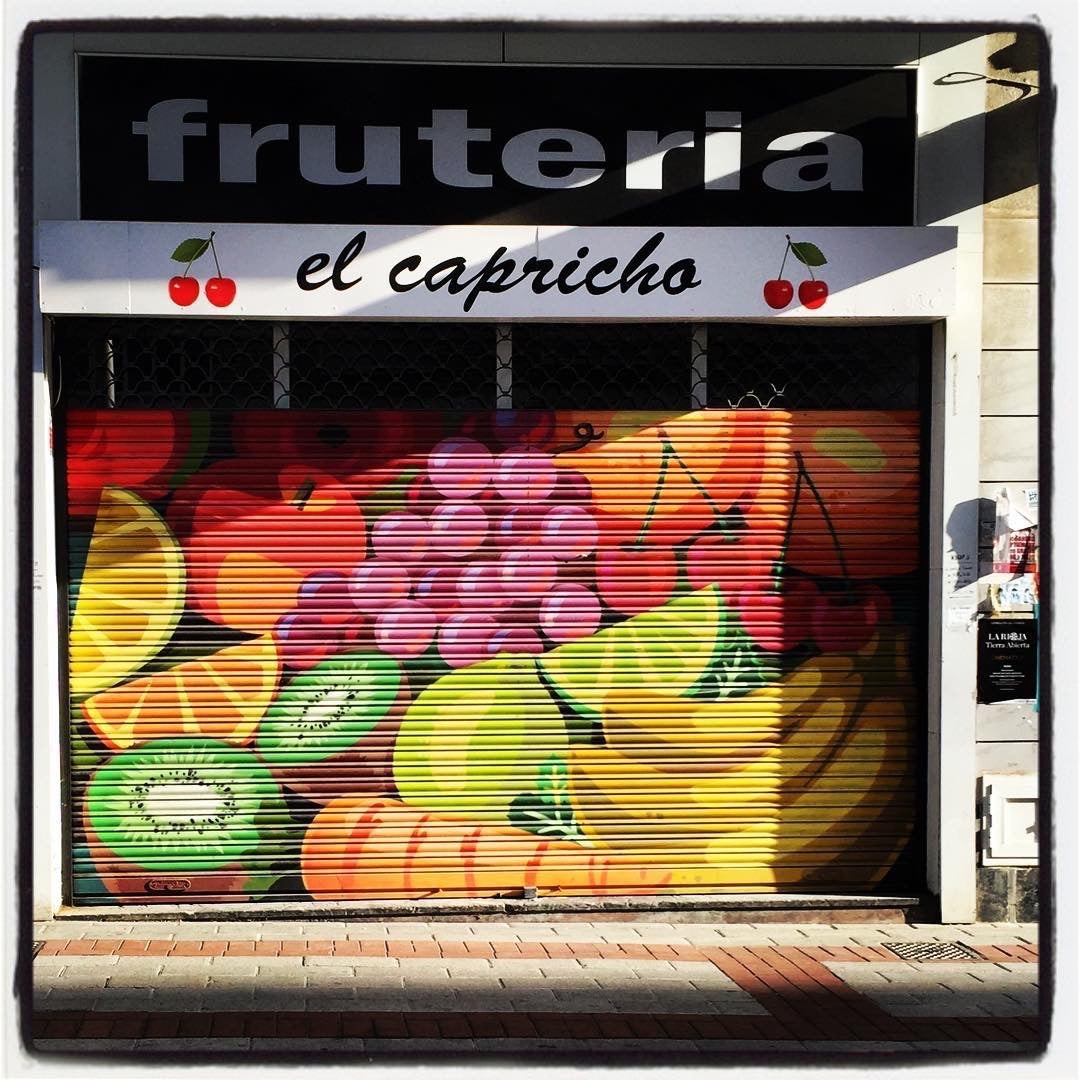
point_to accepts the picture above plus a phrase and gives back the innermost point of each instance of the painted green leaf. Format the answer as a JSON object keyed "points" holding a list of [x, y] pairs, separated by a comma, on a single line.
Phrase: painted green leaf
{"points": [[547, 811], [391, 497], [543, 817], [189, 250], [737, 670], [808, 254]]}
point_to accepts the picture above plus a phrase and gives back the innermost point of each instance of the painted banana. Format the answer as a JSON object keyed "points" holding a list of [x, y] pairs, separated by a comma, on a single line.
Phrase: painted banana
{"points": [[807, 780], [681, 730]]}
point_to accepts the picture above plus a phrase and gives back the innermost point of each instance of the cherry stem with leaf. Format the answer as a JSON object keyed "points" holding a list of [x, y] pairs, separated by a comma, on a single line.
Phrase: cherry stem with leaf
{"points": [[783, 261], [213, 251], [667, 452], [791, 247], [778, 565], [827, 516], [189, 262], [802, 475]]}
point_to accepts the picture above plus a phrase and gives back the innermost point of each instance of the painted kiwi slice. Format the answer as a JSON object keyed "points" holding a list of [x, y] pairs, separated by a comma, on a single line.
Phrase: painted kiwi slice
{"points": [[180, 815], [331, 730]]}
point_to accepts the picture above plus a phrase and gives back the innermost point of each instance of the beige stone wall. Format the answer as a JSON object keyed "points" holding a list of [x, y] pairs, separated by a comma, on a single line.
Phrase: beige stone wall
{"points": [[1009, 384]]}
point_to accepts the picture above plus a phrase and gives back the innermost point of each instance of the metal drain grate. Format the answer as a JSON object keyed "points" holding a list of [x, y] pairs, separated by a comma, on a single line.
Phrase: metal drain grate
{"points": [[931, 950]]}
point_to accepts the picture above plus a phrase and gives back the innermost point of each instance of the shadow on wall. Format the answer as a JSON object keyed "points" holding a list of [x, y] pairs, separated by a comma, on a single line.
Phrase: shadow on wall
{"points": [[1012, 130], [1010, 135], [962, 530], [1022, 56]]}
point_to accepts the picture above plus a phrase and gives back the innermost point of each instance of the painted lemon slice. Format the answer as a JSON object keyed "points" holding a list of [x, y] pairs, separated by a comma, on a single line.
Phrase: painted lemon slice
{"points": [[130, 596], [666, 650]]}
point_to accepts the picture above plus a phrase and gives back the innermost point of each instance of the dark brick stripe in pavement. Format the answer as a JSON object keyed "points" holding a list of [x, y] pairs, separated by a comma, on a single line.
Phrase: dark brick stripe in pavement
{"points": [[846, 1001], [832, 1009], [492, 950], [446, 1025]]}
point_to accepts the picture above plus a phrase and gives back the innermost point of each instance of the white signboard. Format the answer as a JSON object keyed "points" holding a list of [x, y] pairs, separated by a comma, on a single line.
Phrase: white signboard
{"points": [[494, 272]]}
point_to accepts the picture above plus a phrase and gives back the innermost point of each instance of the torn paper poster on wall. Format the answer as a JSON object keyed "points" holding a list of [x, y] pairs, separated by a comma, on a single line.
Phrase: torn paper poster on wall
{"points": [[1016, 526], [1017, 594]]}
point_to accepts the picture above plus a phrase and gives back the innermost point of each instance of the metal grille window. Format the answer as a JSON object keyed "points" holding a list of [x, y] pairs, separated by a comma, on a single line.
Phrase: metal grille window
{"points": [[162, 363], [234, 364], [391, 365], [584, 366], [815, 367]]}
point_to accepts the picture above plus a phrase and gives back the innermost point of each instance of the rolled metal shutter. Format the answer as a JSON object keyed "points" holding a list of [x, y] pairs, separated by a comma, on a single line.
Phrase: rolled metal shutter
{"points": [[408, 653]]}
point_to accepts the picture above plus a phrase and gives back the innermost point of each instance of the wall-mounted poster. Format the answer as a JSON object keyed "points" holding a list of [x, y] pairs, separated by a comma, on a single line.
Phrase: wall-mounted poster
{"points": [[1008, 655]]}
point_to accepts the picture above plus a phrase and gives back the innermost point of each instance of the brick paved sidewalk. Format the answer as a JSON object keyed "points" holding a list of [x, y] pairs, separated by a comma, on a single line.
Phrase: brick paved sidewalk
{"points": [[523, 987]]}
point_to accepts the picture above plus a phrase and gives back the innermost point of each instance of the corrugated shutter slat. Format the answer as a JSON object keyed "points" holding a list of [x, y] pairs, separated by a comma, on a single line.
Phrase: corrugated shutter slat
{"points": [[403, 654]]}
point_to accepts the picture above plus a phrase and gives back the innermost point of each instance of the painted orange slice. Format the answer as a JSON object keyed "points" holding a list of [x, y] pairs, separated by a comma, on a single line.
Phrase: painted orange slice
{"points": [[221, 696]]}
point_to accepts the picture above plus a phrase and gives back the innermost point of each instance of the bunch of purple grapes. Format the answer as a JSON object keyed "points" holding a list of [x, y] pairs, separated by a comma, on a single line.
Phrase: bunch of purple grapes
{"points": [[491, 556]]}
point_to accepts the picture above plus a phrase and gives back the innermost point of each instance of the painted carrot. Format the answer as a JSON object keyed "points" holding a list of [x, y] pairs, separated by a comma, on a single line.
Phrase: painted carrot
{"points": [[361, 846]]}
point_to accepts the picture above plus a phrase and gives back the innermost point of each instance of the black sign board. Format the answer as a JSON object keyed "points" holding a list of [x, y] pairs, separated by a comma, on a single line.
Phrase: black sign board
{"points": [[1008, 659], [164, 139]]}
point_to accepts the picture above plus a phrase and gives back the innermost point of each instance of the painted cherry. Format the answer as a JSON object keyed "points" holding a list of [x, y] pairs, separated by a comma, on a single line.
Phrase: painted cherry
{"points": [[778, 292], [777, 618], [729, 560], [812, 294], [632, 578], [183, 290], [220, 291], [845, 621]]}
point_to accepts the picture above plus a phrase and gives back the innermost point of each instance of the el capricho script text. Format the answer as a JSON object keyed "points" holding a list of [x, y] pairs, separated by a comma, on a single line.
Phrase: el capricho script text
{"points": [[595, 274]]}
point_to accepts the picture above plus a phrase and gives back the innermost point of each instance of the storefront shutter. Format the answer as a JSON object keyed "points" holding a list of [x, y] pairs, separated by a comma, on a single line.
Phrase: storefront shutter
{"points": [[347, 653]]}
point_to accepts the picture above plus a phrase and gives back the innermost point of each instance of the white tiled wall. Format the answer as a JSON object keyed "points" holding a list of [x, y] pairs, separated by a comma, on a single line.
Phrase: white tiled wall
{"points": [[1007, 732]]}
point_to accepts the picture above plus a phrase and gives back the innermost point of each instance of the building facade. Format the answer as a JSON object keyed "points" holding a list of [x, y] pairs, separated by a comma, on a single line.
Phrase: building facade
{"points": [[511, 463]]}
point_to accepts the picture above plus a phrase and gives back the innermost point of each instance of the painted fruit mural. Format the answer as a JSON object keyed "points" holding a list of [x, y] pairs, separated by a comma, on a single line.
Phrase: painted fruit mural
{"points": [[346, 655]]}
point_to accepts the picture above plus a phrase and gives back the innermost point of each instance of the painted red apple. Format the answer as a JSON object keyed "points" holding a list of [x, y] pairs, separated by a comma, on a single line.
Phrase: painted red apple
{"points": [[220, 291], [777, 616], [183, 290], [252, 537], [142, 454], [778, 292], [812, 294], [845, 620], [366, 449], [632, 578]]}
